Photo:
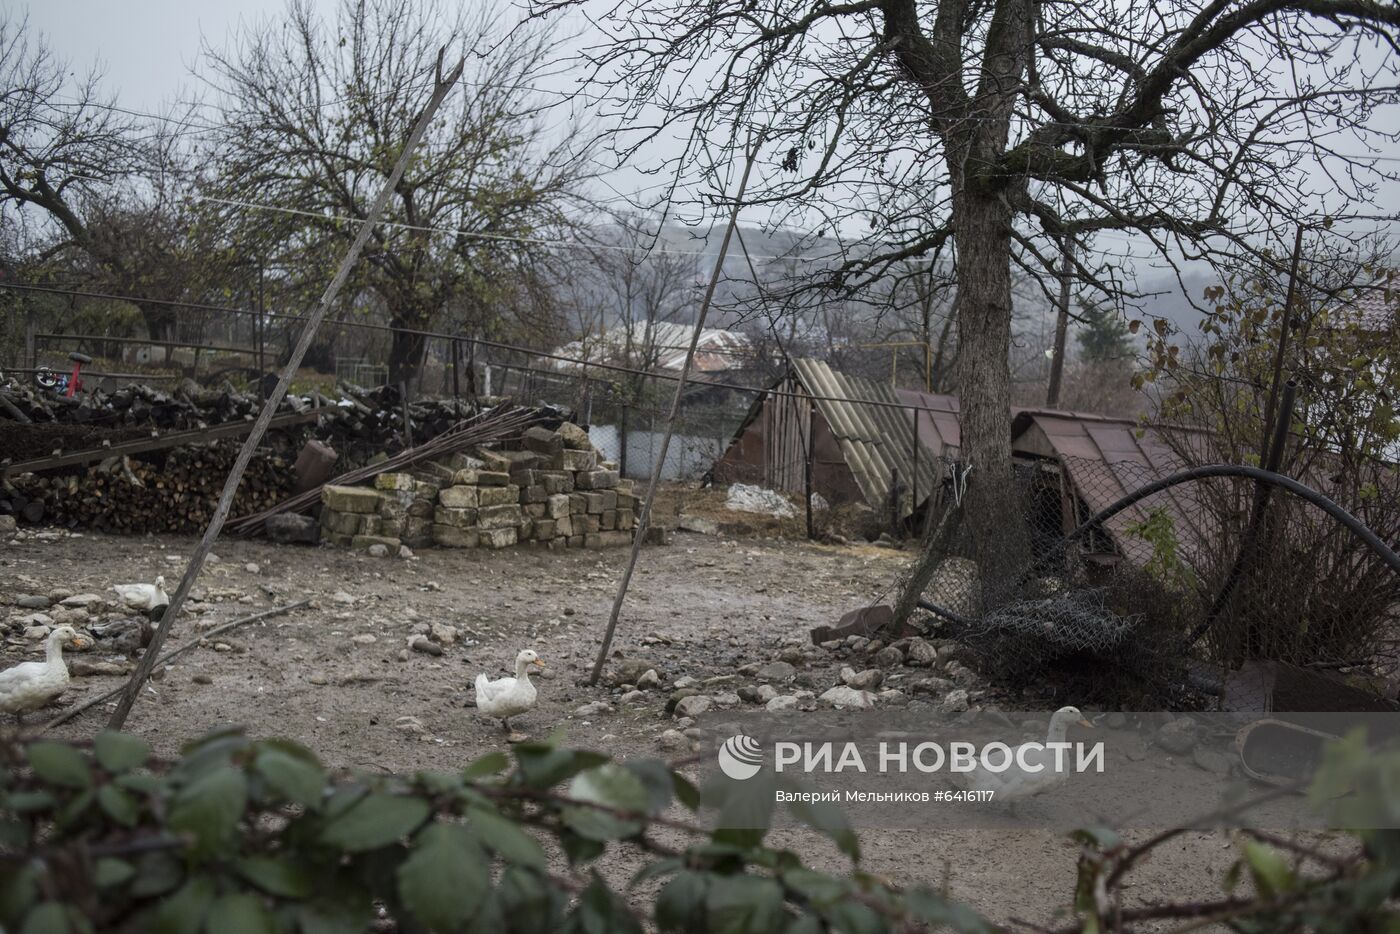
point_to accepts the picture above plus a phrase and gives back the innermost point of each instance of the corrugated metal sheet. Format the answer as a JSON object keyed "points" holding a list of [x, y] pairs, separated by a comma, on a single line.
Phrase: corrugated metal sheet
{"points": [[1108, 458], [877, 440]]}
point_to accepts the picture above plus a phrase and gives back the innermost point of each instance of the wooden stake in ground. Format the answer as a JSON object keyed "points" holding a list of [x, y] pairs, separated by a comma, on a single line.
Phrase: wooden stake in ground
{"points": [[308, 332], [644, 519]]}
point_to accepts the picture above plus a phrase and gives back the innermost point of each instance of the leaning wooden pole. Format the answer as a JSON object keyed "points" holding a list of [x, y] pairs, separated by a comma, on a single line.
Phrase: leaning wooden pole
{"points": [[308, 332], [644, 519]]}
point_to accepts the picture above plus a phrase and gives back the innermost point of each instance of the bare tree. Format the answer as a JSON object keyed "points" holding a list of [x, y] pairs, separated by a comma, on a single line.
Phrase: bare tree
{"points": [[314, 115], [95, 190], [999, 126]]}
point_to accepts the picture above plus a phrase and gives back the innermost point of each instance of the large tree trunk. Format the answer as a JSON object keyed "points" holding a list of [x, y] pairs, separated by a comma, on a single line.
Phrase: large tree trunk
{"points": [[993, 517]]}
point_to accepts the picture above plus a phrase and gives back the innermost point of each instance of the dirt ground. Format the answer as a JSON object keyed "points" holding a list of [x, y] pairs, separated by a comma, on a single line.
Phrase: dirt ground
{"points": [[336, 676]]}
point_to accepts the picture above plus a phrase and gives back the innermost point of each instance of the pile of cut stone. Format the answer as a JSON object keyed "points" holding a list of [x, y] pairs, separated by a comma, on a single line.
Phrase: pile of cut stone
{"points": [[555, 493]]}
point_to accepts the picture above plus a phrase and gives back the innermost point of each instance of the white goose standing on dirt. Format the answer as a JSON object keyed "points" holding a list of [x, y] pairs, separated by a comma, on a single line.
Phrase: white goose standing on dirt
{"points": [[30, 685], [1016, 783], [508, 697]]}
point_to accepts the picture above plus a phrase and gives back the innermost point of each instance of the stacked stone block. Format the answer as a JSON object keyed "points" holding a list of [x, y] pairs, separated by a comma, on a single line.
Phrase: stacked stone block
{"points": [[555, 493]]}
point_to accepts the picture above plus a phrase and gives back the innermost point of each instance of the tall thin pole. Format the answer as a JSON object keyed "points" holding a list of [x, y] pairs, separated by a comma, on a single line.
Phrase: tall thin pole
{"points": [[261, 332], [645, 518], [1057, 361], [308, 333]]}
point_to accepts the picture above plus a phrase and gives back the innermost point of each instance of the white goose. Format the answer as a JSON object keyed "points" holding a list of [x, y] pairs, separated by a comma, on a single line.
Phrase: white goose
{"points": [[30, 685], [508, 697], [148, 598], [1015, 782]]}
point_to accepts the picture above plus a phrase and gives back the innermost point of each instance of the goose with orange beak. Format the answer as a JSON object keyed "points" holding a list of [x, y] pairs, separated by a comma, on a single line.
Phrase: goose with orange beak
{"points": [[30, 685], [508, 697]]}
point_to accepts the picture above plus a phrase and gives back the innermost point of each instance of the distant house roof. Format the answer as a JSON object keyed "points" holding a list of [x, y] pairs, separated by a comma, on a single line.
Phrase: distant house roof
{"points": [[717, 349], [1374, 309]]}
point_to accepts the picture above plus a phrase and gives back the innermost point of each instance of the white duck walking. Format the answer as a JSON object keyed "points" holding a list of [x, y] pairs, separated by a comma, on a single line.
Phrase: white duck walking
{"points": [[148, 598], [30, 685], [508, 697], [1017, 782]]}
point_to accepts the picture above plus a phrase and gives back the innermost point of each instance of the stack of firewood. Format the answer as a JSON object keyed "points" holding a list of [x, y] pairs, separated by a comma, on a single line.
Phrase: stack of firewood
{"points": [[176, 492]]}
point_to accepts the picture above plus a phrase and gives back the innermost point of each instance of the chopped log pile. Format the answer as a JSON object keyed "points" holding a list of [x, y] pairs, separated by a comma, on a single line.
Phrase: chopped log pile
{"points": [[360, 424], [89, 462], [554, 493], [173, 493]]}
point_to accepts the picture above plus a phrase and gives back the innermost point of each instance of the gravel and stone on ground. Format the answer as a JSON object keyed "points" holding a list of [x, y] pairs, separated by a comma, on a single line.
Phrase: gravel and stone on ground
{"points": [[376, 672]]}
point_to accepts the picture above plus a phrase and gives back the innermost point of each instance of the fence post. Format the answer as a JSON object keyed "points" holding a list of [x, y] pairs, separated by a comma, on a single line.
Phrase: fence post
{"points": [[456, 366], [807, 476], [407, 424], [31, 350]]}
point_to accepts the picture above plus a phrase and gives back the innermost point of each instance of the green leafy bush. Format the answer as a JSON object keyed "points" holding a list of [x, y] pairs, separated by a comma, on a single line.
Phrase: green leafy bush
{"points": [[241, 836]]}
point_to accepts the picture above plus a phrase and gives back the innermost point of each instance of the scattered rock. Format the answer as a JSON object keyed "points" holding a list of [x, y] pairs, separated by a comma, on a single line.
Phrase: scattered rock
{"points": [[83, 668], [442, 633], [673, 741], [594, 709], [782, 702], [888, 657], [920, 654], [955, 701], [775, 672], [698, 524], [32, 601], [726, 699], [866, 680], [202, 678], [83, 601], [342, 597], [35, 619], [1177, 737], [252, 568], [405, 552], [649, 680], [846, 697], [627, 671], [410, 725], [935, 686], [685, 681], [693, 706], [9, 526], [35, 633], [758, 694], [632, 697], [893, 697], [1211, 761], [363, 638], [421, 643], [378, 550]]}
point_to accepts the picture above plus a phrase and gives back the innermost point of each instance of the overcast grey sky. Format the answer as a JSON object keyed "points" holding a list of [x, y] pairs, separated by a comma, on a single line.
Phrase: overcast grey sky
{"points": [[149, 48]]}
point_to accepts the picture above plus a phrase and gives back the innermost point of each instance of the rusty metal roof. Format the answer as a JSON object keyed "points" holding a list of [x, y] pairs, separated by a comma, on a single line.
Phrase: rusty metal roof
{"points": [[877, 440], [1107, 458]]}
